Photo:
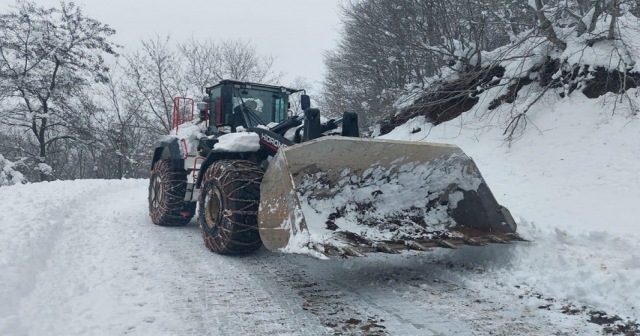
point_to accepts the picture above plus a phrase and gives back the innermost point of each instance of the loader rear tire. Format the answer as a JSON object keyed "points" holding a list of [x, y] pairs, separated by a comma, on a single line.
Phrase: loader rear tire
{"points": [[167, 187], [228, 206]]}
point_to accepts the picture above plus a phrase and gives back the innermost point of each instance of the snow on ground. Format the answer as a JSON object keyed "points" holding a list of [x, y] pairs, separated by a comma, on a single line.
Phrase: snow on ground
{"points": [[82, 258], [572, 180]]}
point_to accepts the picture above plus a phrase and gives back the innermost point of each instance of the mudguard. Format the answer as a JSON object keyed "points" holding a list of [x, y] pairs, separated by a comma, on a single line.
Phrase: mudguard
{"points": [[167, 147]]}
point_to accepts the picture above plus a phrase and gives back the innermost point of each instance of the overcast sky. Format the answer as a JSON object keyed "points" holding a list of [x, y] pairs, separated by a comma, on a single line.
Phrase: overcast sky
{"points": [[296, 32]]}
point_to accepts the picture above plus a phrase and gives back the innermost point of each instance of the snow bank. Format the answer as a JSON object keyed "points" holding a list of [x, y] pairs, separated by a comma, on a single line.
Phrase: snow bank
{"points": [[30, 230], [572, 179]]}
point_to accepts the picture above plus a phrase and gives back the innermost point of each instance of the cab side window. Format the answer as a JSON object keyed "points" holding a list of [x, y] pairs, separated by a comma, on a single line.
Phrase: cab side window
{"points": [[280, 110]]}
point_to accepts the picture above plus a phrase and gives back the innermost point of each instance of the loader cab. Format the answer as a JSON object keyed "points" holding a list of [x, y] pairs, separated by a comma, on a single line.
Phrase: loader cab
{"points": [[232, 104]]}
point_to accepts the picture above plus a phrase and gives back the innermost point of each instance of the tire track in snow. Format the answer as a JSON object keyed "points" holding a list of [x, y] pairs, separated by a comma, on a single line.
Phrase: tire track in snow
{"points": [[276, 294], [415, 294], [122, 274], [73, 293], [221, 295], [349, 301]]}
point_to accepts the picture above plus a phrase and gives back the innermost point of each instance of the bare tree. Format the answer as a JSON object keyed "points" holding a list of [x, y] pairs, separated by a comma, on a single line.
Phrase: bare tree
{"points": [[126, 133], [156, 76], [207, 62], [160, 71], [241, 61], [65, 113], [301, 83], [48, 56], [389, 45], [443, 54], [202, 62]]}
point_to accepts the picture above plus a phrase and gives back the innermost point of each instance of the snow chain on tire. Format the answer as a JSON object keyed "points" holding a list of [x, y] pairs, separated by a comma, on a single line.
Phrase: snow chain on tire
{"points": [[228, 206], [167, 187]]}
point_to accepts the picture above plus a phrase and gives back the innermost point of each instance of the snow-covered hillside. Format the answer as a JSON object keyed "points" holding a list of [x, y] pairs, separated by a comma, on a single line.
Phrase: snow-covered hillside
{"points": [[573, 181]]}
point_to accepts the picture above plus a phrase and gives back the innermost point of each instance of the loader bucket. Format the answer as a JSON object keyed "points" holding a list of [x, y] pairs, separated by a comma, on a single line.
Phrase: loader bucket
{"points": [[350, 196]]}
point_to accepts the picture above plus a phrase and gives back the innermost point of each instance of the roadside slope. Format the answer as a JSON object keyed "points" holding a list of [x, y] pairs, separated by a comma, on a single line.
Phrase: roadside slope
{"points": [[572, 181]]}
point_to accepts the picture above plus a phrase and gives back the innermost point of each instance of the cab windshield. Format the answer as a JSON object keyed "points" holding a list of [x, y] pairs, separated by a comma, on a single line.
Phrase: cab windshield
{"points": [[268, 105]]}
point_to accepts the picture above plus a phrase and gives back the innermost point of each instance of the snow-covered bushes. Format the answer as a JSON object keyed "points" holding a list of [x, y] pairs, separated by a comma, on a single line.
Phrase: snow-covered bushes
{"points": [[8, 173]]}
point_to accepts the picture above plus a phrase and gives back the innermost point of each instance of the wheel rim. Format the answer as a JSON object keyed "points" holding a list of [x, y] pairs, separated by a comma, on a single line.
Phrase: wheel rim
{"points": [[213, 207], [156, 192]]}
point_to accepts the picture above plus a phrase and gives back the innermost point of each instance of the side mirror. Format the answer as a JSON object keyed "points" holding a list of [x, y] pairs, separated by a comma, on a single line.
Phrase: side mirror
{"points": [[350, 125], [203, 108], [305, 102]]}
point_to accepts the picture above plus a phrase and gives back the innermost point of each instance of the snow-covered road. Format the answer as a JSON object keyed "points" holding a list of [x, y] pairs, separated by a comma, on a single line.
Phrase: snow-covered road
{"points": [[82, 258]]}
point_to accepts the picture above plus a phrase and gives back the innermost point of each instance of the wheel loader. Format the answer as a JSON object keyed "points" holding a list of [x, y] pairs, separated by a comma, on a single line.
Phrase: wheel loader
{"points": [[254, 174]]}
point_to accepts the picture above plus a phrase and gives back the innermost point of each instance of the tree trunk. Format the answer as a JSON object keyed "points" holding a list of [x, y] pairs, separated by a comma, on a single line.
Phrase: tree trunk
{"points": [[614, 14], [43, 148], [547, 28], [120, 167], [596, 13]]}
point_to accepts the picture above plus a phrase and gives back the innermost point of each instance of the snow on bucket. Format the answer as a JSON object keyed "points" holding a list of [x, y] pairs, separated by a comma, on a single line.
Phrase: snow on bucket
{"points": [[346, 196]]}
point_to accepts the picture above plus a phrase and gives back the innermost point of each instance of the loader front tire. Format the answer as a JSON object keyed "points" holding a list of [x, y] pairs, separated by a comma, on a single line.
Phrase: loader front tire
{"points": [[167, 188], [228, 206]]}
